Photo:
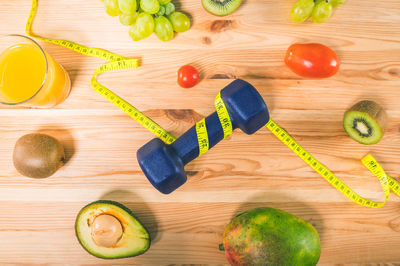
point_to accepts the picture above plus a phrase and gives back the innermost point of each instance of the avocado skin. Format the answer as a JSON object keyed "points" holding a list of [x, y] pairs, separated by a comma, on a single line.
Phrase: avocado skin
{"points": [[267, 236], [125, 209]]}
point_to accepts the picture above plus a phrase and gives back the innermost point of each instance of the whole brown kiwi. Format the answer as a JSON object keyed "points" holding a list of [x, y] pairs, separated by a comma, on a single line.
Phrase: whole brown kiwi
{"points": [[38, 155]]}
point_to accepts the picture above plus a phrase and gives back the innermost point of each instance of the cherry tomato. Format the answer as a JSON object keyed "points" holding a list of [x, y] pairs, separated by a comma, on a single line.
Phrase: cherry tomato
{"points": [[188, 76], [312, 60]]}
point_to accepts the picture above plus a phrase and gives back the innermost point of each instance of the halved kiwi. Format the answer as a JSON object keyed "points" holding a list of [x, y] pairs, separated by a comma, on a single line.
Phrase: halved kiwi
{"points": [[365, 122], [221, 7]]}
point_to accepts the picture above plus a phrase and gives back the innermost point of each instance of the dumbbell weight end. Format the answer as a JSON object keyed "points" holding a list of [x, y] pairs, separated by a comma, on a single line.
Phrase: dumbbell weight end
{"points": [[164, 164]]}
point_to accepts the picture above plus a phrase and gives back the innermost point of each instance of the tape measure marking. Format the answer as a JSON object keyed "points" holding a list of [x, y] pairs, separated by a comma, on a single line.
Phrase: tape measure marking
{"points": [[90, 51], [224, 119], [369, 161], [202, 136], [372, 165], [223, 116], [117, 62]]}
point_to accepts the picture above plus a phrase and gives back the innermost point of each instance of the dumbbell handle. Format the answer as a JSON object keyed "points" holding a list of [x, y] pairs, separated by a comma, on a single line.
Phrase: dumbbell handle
{"points": [[187, 145], [163, 164]]}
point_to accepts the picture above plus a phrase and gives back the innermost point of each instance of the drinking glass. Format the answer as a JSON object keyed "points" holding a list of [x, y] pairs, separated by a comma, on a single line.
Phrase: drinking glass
{"points": [[29, 76]]}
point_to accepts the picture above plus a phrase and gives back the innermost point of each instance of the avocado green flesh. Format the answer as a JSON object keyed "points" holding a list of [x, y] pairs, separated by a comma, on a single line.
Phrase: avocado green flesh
{"points": [[134, 241], [266, 236]]}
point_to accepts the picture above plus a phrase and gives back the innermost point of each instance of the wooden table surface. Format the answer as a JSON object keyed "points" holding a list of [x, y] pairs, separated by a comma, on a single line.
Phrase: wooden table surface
{"points": [[37, 216]]}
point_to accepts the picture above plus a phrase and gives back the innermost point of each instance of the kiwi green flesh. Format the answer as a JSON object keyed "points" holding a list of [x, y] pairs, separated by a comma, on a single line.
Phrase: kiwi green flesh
{"points": [[38, 155], [361, 127], [221, 7]]}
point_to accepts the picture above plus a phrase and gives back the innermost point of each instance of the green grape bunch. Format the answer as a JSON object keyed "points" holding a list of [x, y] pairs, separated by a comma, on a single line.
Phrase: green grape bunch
{"points": [[319, 10], [147, 16]]}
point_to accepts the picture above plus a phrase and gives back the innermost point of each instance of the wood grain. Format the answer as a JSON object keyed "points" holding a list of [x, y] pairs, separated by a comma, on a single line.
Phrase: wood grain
{"points": [[37, 216]]}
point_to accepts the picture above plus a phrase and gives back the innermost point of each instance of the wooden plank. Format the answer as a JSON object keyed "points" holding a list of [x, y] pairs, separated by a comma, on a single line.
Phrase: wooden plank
{"points": [[195, 239], [243, 172]]}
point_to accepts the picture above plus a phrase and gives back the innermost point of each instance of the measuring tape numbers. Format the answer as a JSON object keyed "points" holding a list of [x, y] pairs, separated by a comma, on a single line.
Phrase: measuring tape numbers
{"points": [[386, 181], [118, 62], [224, 119]]}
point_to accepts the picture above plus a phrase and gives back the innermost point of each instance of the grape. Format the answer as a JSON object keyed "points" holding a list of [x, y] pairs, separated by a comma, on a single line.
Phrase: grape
{"points": [[127, 20], [163, 29], [164, 2], [134, 34], [161, 12], [127, 7], [302, 10], [143, 27], [148, 16], [112, 7], [322, 11], [336, 3], [150, 6], [169, 8], [180, 21]]}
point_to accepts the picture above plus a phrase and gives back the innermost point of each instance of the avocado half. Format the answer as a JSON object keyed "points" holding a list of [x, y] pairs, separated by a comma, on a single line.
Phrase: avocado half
{"points": [[134, 240]]}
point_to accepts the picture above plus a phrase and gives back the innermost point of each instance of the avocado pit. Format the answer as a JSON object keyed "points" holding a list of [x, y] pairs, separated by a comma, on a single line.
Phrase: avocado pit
{"points": [[106, 230], [109, 230]]}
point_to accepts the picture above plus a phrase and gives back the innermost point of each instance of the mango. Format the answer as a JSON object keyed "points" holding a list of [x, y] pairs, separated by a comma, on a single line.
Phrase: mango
{"points": [[267, 236]]}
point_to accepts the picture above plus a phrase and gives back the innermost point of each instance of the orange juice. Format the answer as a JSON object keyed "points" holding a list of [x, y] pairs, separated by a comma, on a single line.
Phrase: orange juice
{"points": [[30, 77]]}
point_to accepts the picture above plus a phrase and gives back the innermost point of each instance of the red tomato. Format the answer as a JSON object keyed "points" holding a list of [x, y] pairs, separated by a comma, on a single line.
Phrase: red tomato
{"points": [[188, 76], [312, 60]]}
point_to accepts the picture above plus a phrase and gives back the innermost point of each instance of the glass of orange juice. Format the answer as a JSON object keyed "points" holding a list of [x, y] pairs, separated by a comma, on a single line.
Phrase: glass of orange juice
{"points": [[29, 76]]}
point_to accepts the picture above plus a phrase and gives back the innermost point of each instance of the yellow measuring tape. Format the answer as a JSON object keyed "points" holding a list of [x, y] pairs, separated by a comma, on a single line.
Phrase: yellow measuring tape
{"points": [[224, 119], [117, 62], [386, 181], [202, 136], [223, 116]]}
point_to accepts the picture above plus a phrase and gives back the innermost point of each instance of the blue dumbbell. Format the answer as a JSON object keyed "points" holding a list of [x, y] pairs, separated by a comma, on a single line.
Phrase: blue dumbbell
{"points": [[164, 164]]}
